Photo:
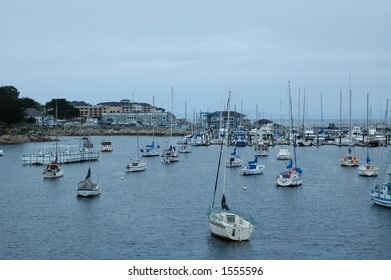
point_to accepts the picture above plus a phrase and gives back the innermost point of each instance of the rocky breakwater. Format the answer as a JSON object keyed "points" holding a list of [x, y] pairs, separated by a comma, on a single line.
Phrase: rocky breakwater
{"points": [[20, 135], [109, 130]]}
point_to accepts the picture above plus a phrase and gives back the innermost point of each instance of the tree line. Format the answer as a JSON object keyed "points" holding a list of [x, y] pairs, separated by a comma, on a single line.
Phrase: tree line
{"points": [[12, 107]]}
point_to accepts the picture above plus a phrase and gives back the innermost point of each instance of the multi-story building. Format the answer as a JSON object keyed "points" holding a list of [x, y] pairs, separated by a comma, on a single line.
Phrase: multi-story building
{"points": [[127, 106], [139, 118], [113, 110], [218, 118]]}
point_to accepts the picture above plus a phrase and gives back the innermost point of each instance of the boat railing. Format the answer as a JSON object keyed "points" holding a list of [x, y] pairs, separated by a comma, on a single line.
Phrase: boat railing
{"points": [[245, 216]]}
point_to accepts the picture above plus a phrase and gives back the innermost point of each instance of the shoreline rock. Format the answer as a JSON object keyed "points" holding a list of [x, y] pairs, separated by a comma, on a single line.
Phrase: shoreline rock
{"points": [[44, 134]]}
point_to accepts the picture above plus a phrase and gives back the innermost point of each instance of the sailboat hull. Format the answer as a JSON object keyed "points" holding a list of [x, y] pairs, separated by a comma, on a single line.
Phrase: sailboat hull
{"points": [[252, 171], [51, 174], [88, 188], [368, 170], [136, 167], [381, 194], [349, 160], [229, 225], [284, 179]]}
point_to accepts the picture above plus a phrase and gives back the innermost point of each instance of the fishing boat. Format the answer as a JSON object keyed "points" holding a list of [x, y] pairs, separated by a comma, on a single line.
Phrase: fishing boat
{"points": [[349, 159], [293, 175], [368, 169], [233, 160], [224, 222], [136, 165], [380, 192], [105, 146], [252, 168]]}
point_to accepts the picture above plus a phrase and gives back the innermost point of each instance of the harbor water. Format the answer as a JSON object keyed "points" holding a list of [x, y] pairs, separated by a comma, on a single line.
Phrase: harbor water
{"points": [[161, 213]]}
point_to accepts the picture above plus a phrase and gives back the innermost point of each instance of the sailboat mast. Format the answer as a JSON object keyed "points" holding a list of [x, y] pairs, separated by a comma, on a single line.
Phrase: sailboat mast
{"points": [[172, 112], [385, 123], [304, 104], [367, 124], [340, 111], [226, 135], [55, 125], [350, 111], [298, 112], [291, 116], [227, 144], [321, 110]]}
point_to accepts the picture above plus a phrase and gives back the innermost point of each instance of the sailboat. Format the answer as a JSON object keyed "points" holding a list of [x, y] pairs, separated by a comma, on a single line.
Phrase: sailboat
{"points": [[223, 222], [54, 169], [349, 159], [368, 169], [170, 154], [252, 168], [233, 160], [185, 148], [136, 164], [293, 175], [150, 150], [88, 187]]}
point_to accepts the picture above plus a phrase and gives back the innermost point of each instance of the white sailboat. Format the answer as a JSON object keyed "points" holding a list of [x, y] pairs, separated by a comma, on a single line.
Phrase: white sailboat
{"points": [[170, 154], [252, 168], [368, 169], [150, 150], [54, 169], [350, 160], [136, 165], [233, 160], [224, 222], [88, 187], [185, 148], [293, 175]]}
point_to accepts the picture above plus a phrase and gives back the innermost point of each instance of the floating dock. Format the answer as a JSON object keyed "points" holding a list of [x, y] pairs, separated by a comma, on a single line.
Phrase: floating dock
{"points": [[65, 154]]}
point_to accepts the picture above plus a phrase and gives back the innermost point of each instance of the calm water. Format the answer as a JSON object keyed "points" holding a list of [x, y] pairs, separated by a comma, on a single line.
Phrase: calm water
{"points": [[162, 213]]}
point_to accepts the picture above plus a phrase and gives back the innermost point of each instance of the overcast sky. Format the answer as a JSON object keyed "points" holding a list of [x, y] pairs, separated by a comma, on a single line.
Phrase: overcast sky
{"points": [[99, 51]]}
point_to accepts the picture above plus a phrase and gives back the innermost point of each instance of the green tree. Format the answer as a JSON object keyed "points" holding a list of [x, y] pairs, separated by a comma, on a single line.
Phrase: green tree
{"points": [[11, 110], [65, 109], [30, 103]]}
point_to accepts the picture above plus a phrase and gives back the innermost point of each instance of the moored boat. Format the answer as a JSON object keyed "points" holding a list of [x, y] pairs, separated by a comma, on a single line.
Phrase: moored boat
{"points": [[106, 146], [223, 222], [233, 160], [87, 187], [252, 168]]}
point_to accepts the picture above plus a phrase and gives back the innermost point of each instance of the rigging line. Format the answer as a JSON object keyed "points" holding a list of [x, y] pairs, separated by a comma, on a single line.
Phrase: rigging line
{"points": [[221, 151]]}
